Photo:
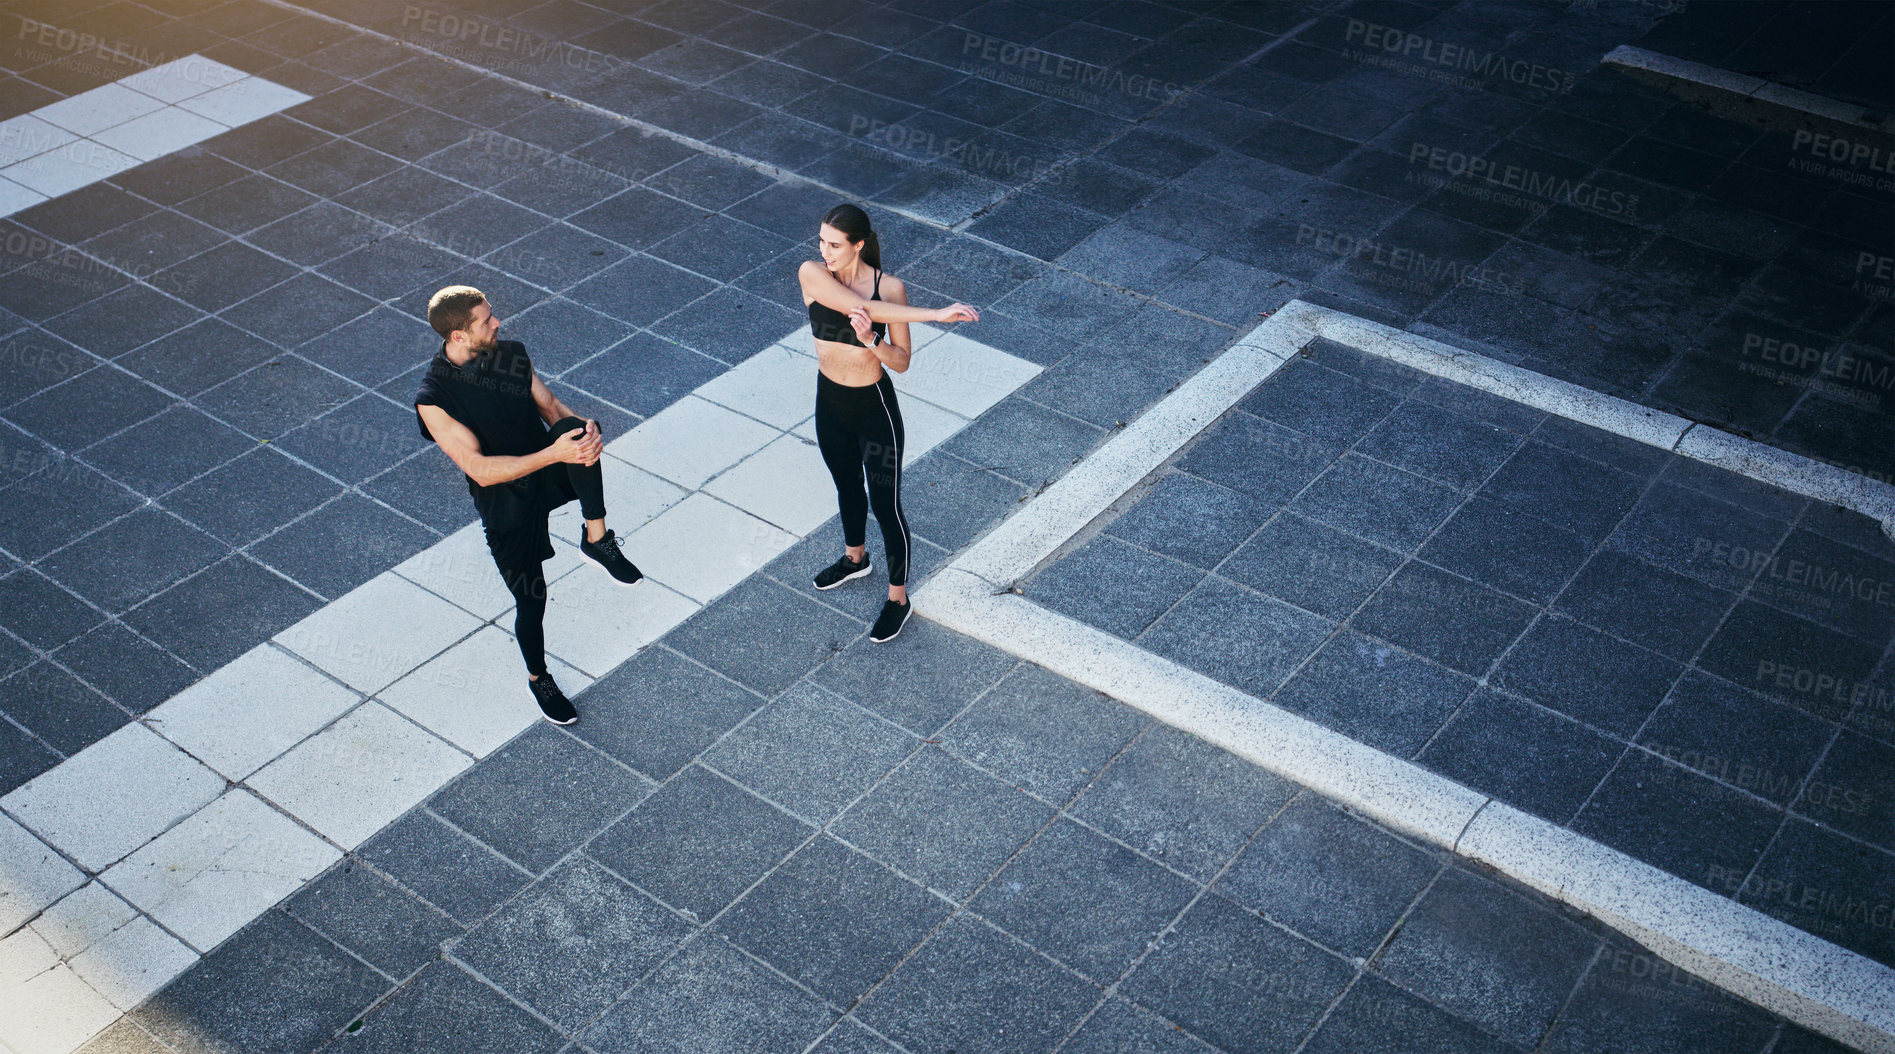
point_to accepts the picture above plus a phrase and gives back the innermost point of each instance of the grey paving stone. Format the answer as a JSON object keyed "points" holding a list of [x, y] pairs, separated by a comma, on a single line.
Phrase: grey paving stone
{"points": [[1850, 790], [132, 558], [834, 920], [1255, 457], [1182, 801], [1247, 640], [22, 757], [1117, 587], [1102, 390], [278, 395], [1455, 622], [942, 822], [118, 322], [811, 752], [562, 334], [638, 217], [1380, 502], [1527, 757], [1683, 531], [1607, 448], [223, 276], [1441, 445], [729, 324], [343, 544], [950, 502], [1125, 256], [1189, 519], [573, 942], [450, 870], [921, 684], [1767, 651], [1564, 490], [444, 1009], [221, 612], [191, 360], [710, 998], [1500, 546], [657, 711], [1584, 674], [375, 347], [1829, 582], [698, 842], [1037, 225], [1085, 901], [1068, 304], [129, 670], [964, 269], [540, 796], [1659, 609], [1710, 725], [42, 613], [720, 247], [374, 918], [1169, 342], [1632, 1000], [641, 289], [1380, 695], [1319, 402], [48, 508], [154, 242], [1488, 955], [1339, 881], [1675, 819], [63, 712], [358, 439], [1236, 980], [850, 1037], [319, 233], [971, 988], [1043, 733], [1823, 882], [252, 495], [1024, 442], [1234, 293], [763, 635], [427, 487], [274, 986], [1376, 1015], [1118, 1027]]}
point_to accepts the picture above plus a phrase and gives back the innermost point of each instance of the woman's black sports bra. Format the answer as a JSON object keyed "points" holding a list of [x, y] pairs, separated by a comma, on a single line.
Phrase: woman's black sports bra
{"points": [[826, 323]]}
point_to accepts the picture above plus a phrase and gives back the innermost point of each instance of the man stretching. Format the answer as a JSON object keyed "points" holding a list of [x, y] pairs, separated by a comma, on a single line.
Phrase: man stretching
{"points": [[482, 403]]}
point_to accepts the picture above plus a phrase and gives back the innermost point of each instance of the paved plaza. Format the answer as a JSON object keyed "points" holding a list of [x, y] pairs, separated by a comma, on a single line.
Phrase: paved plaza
{"points": [[268, 778]]}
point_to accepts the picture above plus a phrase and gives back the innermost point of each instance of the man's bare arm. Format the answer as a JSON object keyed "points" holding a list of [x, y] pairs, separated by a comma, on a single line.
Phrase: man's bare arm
{"points": [[458, 442]]}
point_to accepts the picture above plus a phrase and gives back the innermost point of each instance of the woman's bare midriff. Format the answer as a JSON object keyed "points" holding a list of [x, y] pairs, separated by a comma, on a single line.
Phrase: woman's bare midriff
{"points": [[848, 364]]}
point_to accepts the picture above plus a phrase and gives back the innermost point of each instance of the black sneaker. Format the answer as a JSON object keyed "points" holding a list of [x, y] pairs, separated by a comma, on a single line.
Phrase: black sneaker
{"points": [[841, 571], [606, 553], [553, 702], [894, 615]]}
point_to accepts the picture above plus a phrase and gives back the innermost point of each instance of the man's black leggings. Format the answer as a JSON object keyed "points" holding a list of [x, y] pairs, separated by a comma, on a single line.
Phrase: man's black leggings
{"points": [[520, 555], [860, 433]]}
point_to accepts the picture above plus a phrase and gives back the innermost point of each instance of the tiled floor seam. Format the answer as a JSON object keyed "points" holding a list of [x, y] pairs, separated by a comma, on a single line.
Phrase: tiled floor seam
{"points": [[1519, 845]]}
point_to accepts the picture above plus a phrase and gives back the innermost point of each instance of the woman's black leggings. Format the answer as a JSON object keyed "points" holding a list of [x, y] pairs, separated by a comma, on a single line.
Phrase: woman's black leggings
{"points": [[520, 555], [860, 433]]}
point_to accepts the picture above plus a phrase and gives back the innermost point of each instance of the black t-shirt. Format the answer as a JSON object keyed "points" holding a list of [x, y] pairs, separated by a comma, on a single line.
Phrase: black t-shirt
{"points": [[493, 397]]}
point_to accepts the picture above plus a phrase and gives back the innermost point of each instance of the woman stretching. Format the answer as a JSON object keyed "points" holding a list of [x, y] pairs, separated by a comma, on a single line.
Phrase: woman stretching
{"points": [[853, 308]]}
